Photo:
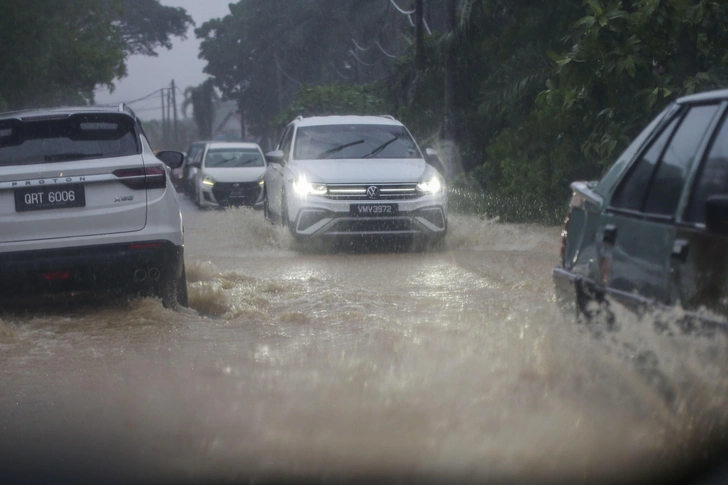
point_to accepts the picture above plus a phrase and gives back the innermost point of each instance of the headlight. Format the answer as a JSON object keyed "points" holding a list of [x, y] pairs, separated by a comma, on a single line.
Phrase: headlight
{"points": [[433, 186], [261, 180], [303, 187], [209, 181]]}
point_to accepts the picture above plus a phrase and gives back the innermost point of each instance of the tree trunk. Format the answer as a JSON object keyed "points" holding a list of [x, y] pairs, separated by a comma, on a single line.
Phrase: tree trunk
{"points": [[449, 88], [420, 36]]}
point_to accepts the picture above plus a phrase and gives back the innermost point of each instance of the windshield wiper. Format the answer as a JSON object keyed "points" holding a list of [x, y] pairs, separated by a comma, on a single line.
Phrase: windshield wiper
{"points": [[381, 147], [70, 156], [338, 149]]}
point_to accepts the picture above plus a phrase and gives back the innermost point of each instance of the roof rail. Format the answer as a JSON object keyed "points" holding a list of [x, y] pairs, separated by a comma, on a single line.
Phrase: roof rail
{"points": [[299, 118], [390, 117]]}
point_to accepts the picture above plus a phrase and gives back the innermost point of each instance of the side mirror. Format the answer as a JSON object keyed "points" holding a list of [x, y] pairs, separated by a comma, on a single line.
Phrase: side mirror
{"points": [[432, 158], [716, 214], [275, 156], [171, 158]]}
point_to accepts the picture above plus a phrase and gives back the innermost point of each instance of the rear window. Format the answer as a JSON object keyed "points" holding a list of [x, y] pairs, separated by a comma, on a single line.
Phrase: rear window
{"points": [[78, 137]]}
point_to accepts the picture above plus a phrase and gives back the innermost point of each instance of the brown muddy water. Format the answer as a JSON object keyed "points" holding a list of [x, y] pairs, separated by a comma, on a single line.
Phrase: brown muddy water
{"points": [[352, 363]]}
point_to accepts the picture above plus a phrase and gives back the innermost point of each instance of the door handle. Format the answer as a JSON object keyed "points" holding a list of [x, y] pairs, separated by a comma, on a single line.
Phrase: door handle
{"points": [[680, 249], [609, 236]]}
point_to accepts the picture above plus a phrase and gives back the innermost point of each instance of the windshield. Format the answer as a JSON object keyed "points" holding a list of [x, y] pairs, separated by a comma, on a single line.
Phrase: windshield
{"points": [[71, 138], [233, 158], [354, 141]]}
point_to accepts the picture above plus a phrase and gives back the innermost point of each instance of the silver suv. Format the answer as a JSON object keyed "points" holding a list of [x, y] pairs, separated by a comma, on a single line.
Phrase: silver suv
{"points": [[85, 204], [336, 176]]}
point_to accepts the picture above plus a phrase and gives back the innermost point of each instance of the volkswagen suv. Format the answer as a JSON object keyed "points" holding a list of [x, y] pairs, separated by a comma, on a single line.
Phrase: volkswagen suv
{"points": [[339, 176], [86, 205], [653, 232]]}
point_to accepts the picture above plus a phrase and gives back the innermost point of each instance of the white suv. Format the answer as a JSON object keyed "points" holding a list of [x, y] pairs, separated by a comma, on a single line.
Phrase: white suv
{"points": [[335, 176], [86, 205]]}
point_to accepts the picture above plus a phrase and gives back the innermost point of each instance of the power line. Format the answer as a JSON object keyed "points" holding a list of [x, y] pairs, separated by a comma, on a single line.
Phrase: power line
{"points": [[144, 97], [409, 16]]}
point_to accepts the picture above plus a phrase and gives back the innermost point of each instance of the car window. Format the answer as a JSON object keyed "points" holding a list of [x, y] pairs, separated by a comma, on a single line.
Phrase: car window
{"points": [[630, 193], [77, 137], [354, 141], [286, 140], [665, 189], [193, 151], [713, 176], [233, 157]]}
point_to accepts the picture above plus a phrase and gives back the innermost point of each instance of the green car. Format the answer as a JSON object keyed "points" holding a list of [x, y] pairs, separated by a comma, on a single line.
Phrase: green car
{"points": [[653, 233]]}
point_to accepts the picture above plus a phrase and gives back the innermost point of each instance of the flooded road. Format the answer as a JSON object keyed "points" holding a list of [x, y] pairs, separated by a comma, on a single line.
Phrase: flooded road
{"points": [[350, 364]]}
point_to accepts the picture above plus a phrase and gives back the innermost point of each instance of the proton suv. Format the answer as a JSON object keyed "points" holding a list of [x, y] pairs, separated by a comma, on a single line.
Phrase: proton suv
{"points": [[86, 205], [340, 176]]}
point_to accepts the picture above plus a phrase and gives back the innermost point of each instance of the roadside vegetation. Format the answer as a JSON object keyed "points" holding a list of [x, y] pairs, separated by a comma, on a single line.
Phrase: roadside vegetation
{"points": [[520, 97]]}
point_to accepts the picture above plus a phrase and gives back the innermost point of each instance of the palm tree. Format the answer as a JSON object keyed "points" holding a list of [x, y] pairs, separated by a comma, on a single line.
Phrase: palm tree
{"points": [[203, 99]]}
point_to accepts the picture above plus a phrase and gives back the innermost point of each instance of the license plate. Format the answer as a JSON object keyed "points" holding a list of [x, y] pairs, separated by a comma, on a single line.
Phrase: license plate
{"points": [[55, 197], [237, 193], [374, 210]]}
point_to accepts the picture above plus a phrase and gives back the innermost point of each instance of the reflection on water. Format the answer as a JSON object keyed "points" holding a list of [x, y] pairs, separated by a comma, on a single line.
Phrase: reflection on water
{"points": [[423, 364]]}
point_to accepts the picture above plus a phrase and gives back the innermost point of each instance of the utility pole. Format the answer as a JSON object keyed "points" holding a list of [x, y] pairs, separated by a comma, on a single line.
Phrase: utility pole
{"points": [[174, 111], [164, 119], [169, 115]]}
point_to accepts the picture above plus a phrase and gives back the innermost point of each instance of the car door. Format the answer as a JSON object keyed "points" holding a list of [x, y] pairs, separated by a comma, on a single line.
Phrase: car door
{"points": [[699, 262], [638, 230], [276, 170]]}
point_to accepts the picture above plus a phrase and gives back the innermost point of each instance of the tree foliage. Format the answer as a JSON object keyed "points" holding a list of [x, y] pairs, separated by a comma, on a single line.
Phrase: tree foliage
{"points": [[203, 100], [334, 99], [265, 51], [538, 93], [60, 54]]}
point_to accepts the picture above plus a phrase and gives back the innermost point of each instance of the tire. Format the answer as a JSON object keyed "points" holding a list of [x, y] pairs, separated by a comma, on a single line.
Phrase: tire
{"points": [[173, 292], [285, 221], [266, 207]]}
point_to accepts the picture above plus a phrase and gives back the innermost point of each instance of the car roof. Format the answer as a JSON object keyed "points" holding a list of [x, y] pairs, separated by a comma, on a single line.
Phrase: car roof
{"points": [[68, 110], [232, 144], [703, 97], [347, 120]]}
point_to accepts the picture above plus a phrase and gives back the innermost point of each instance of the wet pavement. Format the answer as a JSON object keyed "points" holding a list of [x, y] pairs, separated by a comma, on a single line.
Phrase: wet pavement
{"points": [[351, 362]]}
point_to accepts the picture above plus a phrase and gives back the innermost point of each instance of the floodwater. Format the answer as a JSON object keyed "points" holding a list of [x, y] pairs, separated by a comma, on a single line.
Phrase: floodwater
{"points": [[349, 364]]}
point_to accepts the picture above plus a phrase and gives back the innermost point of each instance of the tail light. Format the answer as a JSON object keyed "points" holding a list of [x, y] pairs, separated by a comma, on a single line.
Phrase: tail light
{"points": [[143, 178], [57, 275]]}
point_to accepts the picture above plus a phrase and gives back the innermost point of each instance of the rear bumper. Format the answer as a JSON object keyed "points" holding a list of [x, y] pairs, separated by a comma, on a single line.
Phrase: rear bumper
{"points": [[127, 267]]}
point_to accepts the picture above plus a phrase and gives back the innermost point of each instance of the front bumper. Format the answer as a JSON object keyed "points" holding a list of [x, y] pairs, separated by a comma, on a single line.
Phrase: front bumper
{"points": [[424, 216], [231, 194], [128, 267]]}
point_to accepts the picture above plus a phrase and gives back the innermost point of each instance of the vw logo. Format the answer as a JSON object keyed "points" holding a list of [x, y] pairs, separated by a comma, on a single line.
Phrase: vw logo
{"points": [[373, 192]]}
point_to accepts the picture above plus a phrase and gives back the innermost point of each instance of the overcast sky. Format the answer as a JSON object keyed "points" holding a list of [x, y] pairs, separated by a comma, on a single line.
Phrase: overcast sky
{"points": [[149, 74]]}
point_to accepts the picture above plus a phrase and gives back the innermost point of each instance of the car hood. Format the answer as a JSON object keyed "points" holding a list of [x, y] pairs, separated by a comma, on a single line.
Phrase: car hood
{"points": [[363, 170], [238, 174]]}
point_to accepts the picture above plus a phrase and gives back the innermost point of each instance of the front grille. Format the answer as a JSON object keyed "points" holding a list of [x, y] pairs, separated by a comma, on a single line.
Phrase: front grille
{"points": [[373, 226], [359, 191], [239, 192]]}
